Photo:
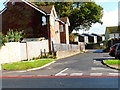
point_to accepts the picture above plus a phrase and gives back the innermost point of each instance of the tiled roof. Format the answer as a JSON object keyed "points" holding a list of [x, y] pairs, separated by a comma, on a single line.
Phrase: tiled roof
{"points": [[113, 29], [46, 9], [94, 34], [64, 19], [87, 34]]}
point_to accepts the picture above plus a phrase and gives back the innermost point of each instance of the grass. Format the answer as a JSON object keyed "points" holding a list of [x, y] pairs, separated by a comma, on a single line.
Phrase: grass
{"points": [[112, 62], [26, 64]]}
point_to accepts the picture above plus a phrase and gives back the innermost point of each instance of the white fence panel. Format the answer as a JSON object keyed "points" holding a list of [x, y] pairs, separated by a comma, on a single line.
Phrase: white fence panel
{"points": [[63, 47], [10, 52], [15, 51], [23, 51]]}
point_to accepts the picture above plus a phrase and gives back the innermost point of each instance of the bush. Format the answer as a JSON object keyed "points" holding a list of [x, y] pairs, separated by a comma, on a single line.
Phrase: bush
{"points": [[2, 40], [14, 36], [101, 47], [48, 55]]}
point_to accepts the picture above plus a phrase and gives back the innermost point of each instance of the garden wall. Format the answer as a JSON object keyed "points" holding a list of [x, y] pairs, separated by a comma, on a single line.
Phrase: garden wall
{"points": [[66, 50], [15, 51]]}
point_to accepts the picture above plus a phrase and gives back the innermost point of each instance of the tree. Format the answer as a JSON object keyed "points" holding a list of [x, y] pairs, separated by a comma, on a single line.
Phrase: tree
{"points": [[81, 15], [84, 16]]}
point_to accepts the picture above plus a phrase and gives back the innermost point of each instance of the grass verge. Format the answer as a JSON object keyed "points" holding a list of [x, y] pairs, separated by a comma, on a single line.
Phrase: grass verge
{"points": [[26, 64], [112, 62]]}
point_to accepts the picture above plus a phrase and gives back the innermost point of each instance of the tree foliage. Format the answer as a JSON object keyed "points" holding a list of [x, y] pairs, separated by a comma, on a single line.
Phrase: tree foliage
{"points": [[81, 15], [11, 36]]}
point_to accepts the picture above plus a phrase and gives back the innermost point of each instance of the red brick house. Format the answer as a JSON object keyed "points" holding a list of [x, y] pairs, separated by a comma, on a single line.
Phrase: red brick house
{"points": [[35, 21]]}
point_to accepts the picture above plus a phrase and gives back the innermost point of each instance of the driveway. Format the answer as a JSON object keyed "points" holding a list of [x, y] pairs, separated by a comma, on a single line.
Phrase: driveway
{"points": [[88, 63]]}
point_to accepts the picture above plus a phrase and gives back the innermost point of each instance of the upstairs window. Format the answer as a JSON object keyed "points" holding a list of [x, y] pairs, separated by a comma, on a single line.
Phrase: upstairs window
{"points": [[13, 3], [61, 28], [44, 20]]}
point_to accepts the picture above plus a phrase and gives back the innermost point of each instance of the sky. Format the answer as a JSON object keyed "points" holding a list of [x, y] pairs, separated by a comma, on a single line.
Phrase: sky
{"points": [[110, 15]]}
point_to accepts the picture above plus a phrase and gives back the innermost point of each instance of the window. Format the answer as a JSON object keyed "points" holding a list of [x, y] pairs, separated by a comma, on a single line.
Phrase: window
{"points": [[44, 20], [61, 28], [13, 3]]}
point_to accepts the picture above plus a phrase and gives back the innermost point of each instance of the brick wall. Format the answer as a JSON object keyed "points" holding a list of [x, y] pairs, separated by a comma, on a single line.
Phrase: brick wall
{"points": [[23, 17]]}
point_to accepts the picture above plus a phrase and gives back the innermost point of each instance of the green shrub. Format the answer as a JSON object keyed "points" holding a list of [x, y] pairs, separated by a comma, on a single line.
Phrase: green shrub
{"points": [[2, 40], [48, 55], [14, 36], [101, 47], [11, 36]]}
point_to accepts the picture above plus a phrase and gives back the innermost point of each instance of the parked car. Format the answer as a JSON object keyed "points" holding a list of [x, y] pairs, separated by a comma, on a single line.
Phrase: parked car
{"points": [[113, 49], [117, 52]]}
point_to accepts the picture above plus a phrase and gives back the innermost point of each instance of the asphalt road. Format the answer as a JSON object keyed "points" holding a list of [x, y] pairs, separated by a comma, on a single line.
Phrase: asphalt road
{"points": [[73, 82], [88, 63], [76, 68]]}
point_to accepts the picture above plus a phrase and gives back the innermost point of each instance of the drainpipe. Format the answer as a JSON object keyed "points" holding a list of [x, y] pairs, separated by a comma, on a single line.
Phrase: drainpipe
{"points": [[49, 34]]}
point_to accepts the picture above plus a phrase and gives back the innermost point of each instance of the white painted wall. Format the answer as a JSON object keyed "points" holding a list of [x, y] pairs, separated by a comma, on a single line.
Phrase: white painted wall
{"points": [[15, 51], [34, 48], [95, 39], [86, 39], [10, 52], [76, 39]]}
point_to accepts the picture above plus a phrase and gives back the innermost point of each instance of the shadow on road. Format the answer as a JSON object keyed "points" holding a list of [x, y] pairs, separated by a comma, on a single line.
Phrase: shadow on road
{"points": [[101, 59], [98, 51]]}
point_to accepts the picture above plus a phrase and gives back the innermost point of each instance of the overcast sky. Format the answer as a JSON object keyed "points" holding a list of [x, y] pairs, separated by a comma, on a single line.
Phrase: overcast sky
{"points": [[110, 17]]}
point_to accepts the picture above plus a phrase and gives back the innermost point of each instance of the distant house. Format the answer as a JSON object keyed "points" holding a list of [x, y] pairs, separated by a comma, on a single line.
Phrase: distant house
{"points": [[36, 21], [112, 32], [82, 38], [91, 38], [99, 38]]}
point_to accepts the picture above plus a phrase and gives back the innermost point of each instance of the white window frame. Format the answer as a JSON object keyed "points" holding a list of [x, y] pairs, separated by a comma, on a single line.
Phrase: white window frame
{"points": [[61, 28], [13, 2], [44, 20]]}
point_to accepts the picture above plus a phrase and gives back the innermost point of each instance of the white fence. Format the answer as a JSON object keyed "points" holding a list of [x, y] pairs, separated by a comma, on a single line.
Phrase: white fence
{"points": [[15, 51], [70, 47], [66, 50]]}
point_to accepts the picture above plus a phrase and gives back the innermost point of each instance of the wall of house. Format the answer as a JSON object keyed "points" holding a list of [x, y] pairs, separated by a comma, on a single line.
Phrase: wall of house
{"points": [[114, 35], [106, 35], [76, 39], [67, 33], [54, 28], [86, 39], [57, 33], [23, 17], [103, 38], [95, 39], [15, 51]]}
